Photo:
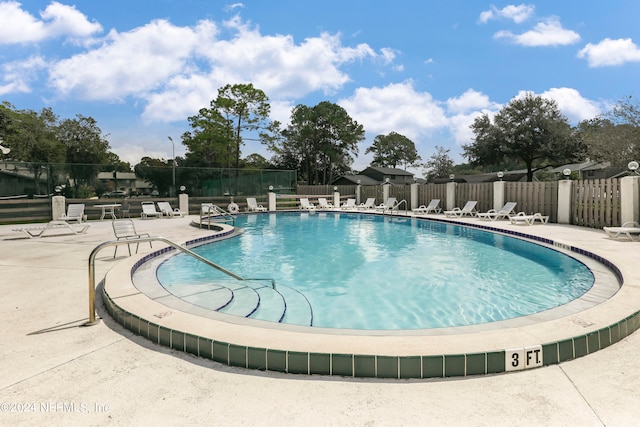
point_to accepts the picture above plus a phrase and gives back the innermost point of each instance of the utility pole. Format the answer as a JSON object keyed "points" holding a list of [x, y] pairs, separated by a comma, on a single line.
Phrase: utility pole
{"points": [[173, 167]]}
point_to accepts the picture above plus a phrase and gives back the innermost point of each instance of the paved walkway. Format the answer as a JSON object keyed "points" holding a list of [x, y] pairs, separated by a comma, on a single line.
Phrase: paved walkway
{"points": [[53, 371]]}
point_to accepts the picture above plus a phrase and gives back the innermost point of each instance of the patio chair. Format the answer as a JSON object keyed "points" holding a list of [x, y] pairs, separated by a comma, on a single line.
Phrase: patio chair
{"points": [[522, 218], [369, 204], [323, 204], [168, 211], [628, 230], [492, 214], [431, 207], [306, 205], [388, 205], [253, 206], [468, 209], [349, 204], [75, 212], [124, 229], [149, 210]]}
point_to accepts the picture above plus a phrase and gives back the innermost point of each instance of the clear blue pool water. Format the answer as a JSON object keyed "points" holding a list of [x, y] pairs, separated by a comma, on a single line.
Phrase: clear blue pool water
{"points": [[358, 271]]}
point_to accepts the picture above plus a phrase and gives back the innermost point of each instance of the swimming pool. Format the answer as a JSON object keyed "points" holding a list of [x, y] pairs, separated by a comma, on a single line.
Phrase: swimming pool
{"points": [[371, 272]]}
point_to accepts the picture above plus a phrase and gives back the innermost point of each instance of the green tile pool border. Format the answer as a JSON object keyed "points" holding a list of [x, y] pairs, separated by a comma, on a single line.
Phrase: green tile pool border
{"points": [[368, 365], [365, 365]]}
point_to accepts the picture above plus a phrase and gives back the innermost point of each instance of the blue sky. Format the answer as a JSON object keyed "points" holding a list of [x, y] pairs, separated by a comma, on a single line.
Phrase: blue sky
{"points": [[421, 68]]}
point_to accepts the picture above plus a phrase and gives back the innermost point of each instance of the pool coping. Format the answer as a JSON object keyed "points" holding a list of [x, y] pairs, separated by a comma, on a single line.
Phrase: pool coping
{"points": [[235, 343]]}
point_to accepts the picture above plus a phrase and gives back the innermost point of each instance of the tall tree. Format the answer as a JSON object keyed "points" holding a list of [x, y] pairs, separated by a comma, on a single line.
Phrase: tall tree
{"points": [[393, 150], [86, 148], [439, 164], [245, 108], [323, 138], [211, 142], [614, 136], [529, 129]]}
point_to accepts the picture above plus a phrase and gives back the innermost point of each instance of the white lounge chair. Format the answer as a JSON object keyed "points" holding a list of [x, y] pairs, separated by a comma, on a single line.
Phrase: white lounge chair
{"points": [[349, 205], [492, 214], [167, 210], [40, 230], [75, 212], [431, 207], [628, 230], [124, 229], [149, 210], [522, 218], [369, 204], [306, 205], [323, 204], [253, 206], [388, 205], [468, 209]]}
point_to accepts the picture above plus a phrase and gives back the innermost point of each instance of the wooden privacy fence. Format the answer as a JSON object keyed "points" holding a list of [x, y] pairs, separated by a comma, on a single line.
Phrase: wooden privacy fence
{"points": [[596, 203], [534, 197], [482, 193]]}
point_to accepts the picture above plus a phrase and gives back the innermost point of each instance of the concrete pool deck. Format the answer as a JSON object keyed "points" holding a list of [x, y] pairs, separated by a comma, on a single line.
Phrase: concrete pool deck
{"points": [[56, 372]]}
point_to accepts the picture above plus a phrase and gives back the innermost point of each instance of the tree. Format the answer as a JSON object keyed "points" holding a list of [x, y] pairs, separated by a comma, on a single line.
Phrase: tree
{"points": [[31, 137], [529, 129], [157, 172], [321, 139], [245, 108], [86, 148], [615, 135], [392, 150], [255, 161], [210, 144], [439, 165]]}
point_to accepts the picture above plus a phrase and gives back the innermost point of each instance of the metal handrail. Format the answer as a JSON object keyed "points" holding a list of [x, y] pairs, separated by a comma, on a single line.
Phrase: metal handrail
{"points": [[211, 208], [395, 208], [92, 268]]}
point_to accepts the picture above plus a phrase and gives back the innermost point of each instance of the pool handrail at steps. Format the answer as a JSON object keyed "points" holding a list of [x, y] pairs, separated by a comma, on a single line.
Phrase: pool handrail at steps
{"points": [[397, 206], [209, 210], [92, 269]]}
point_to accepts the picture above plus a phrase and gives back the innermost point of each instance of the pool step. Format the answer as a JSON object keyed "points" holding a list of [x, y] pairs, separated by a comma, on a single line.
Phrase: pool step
{"points": [[299, 310], [272, 305], [256, 300], [246, 301], [209, 296]]}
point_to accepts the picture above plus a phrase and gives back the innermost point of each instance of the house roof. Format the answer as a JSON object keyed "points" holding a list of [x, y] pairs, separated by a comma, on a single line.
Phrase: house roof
{"points": [[582, 166], [364, 179], [389, 171]]}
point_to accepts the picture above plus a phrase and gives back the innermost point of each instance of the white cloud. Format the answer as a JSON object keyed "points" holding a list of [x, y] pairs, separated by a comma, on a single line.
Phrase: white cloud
{"points": [[18, 75], [275, 64], [517, 14], [464, 110], [19, 26], [177, 70], [469, 101], [610, 52], [396, 107], [546, 33], [572, 104], [131, 63]]}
